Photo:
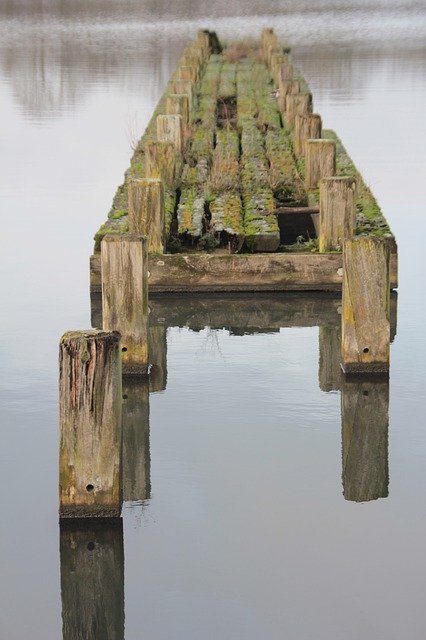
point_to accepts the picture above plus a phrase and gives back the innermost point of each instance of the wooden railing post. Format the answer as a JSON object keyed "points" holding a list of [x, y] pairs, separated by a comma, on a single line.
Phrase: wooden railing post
{"points": [[365, 306], [307, 126], [147, 212], [320, 161], [337, 219], [90, 424], [124, 262]]}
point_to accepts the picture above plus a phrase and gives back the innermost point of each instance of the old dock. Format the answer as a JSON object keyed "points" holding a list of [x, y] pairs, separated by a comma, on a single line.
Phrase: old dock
{"points": [[234, 189]]}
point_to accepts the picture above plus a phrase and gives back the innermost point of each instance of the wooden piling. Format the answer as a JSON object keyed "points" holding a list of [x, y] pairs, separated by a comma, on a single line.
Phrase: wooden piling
{"points": [[92, 580], [160, 161], [365, 306], [297, 104], [285, 88], [285, 71], [188, 72], [125, 297], [147, 212], [320, 161], [307, 126], [177, 104], [365, 422], [170, 129], [183, 87], [90, 424], [136, 455], [337, 219]]}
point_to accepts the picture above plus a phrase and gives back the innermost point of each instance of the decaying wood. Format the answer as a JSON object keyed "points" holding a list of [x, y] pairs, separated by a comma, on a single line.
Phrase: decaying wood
{"points": [[178, 104], [297, 104], [320, 161], [125, 297], [170, 129], [365, 305], [287, 211], [307, 126], [160, 161], [136, 455], [90, 424], [147, 212], [365, 420], [337, 218], [92, 580]]}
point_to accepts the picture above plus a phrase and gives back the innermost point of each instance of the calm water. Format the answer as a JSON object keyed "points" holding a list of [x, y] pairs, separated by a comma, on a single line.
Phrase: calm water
{"points": [[249, 530]]}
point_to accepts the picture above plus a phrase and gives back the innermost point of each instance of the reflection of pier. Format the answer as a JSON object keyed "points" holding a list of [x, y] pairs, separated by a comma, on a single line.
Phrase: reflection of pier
{"points": [[92, 580]]}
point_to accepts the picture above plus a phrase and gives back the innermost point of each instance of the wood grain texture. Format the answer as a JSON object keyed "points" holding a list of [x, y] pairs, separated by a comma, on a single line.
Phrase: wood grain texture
{"points": [[136, 454], [125, 297], [90, 424], [147, 215], [92, 580], [183, 87], [188, 72], [160, 162], [178, 104], [337, 218], [365, 421], [285, 88], [297, 104], [320, 161], [170, 129], [307, 126], [365, 305]]}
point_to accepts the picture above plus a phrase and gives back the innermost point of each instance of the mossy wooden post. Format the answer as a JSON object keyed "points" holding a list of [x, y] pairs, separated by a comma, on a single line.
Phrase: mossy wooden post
{"points": [[147, 212], [320, 161], [297, 104], [170, 129], [90, 424], [125, 297], [92, 580], [306, 126], [365, 421], [136, 455], [177, 104], [330, 372], [183, 87], [365, 306], [337, 217], [285, 88], [160, 161], [188, 73]]}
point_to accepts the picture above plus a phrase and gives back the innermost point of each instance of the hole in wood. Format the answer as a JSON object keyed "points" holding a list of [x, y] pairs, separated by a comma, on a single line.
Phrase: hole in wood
{"points": [[365, 393], [124, 349], [124, 396], [366, 350], [89, 487], [90, 546]]}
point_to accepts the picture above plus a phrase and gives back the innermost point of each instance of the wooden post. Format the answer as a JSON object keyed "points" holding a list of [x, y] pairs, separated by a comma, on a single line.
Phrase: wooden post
{"points": [[177, 104], [147, 212], [90, 424], [183, 87], [337, 218], [330, 372], [157, 343], [306, 126], [188, 73], [125, 297], [365, 421], [320, 161], [285, 88], [295, 104], [160, 162], [170, 129], [136, 456], [365, 305], [92, 580], [286, 70]]}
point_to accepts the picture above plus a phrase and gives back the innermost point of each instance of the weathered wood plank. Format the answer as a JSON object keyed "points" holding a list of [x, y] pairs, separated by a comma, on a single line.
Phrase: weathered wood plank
{"points": [[320, 157], [337, 218], [147, 215]]}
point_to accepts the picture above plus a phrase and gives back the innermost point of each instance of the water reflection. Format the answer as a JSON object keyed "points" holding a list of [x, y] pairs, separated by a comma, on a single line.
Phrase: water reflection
{"points": [[92, 580], [136, 452], [365, 422]]}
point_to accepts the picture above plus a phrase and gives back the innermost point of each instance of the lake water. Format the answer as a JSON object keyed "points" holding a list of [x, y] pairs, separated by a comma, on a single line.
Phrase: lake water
{"points": [[265, 501]]}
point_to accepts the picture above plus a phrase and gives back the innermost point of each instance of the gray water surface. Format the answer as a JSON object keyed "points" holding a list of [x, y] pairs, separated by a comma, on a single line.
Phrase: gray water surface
{"points": [[251, 512]]}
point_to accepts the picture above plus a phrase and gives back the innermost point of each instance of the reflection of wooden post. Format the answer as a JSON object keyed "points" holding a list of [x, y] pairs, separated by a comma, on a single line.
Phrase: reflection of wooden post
{"points": [[147, 214], [160, 160], [125, 297], [330, 373], [157, 339], [365, 419], [170, 129], [92, 581], [90, 425], [365, 305], [337, 218], [297, 104], [307, 126], [96, 310], [177, 104], [136, 456], [320, 161]]}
